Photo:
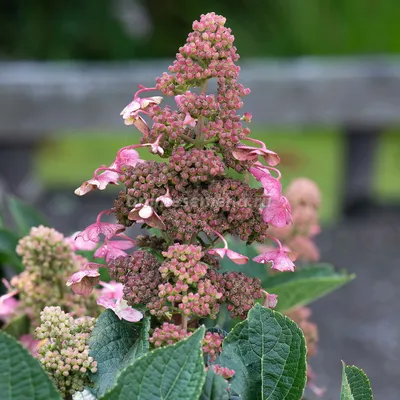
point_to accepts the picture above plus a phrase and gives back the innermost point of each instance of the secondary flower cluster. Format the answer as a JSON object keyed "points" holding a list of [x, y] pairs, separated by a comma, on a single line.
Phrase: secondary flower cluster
{"points": [[305, 199], [189, 196], [65, 353], [49, 260]]}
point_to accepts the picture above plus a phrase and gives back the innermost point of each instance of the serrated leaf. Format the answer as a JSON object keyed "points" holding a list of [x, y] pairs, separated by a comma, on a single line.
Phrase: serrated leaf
{"points": [[115, 344], [173, 372], [355, 384], [21, 375], [268, 353], [305, 285], [8, 244], [215, 387], [24, 215]]}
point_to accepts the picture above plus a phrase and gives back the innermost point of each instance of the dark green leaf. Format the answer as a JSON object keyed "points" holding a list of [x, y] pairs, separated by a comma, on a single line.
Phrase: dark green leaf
{"points": [[355, 384], [115, 344], [268, 353], [24, 215], [215, 387], [305, 285], [18, 326], [21, 375], [173, 372], [8, 243]]}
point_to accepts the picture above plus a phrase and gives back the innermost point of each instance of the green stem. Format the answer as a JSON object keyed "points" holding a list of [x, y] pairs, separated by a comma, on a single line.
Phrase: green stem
{"points": [[184, 322]]}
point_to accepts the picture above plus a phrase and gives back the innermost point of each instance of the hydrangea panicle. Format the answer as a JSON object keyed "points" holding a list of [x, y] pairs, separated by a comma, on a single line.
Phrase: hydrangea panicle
{"points": [[191, 198]]}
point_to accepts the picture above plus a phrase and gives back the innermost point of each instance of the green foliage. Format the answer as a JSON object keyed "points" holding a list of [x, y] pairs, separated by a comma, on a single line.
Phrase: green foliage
{"points": [[173, 372], [24, 215], [305, 285], [268, 353], [18, 326], [35, 29], [115, 344], [22, 377], [355, 384], [215, 387], [8, 243]]}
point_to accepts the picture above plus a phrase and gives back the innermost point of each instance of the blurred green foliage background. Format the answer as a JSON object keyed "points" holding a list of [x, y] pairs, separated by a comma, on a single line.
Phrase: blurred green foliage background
{"points": [[93, 29]]}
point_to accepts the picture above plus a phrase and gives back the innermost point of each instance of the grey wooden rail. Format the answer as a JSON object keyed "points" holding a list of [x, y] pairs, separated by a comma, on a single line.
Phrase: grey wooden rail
{"points": [[362, 96]]}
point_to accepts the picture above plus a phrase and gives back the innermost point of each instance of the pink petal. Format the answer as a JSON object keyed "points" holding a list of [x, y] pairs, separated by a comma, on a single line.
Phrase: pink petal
{"points": [[141, 125], [271, 300], [83, 282], [279, 258], [146, 212], [237, 258], [112, 290], [106, 302], [127, 157], [130, 314], [220, 252], [77, 242], [166, 200], [277, 213], [272, 187]]}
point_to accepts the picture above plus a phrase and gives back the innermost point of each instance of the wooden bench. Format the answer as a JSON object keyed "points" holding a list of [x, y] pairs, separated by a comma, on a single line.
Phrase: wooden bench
{"points": [[361, 95]]}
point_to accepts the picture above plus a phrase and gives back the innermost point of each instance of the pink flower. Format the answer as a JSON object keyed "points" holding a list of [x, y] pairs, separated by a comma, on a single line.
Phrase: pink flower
{"points": [[271, 300], [277, 212], [280, 259], [223, 371], [189, 120], [99, 181], [237, 258], [108, 229], [30, 343], [77, 242], [83, 281], [113, 248], [155, 147], [146, 213], [121, 309], [249, 153], [141, 125], [127, 156], [165, 199], [246, 117], [112, 290], [8, 305], [131, 112]]}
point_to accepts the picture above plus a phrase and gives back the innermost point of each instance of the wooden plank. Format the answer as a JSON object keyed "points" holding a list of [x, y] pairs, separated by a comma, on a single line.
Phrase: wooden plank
{"points": [[36, 97]]}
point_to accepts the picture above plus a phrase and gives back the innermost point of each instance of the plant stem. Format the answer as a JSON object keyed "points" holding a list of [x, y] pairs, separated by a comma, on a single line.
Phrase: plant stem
{"points": [[184, 322]]}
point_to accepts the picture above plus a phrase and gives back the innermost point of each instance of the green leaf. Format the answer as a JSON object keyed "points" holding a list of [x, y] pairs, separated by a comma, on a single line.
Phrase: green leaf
{"points": [[24, 215], [115, 344], [355, 384], [215, 387], [305, 285], [21, 375], [268, 353], [173, 372], [8, 243], [18, 326]]}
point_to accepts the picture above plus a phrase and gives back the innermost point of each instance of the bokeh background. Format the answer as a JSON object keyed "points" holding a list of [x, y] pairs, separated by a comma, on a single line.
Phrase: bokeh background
{"points": [[360, 323]]}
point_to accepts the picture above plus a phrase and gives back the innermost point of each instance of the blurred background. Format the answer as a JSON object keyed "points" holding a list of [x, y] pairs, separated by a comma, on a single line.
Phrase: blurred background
{"points": [[325, 82]]}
